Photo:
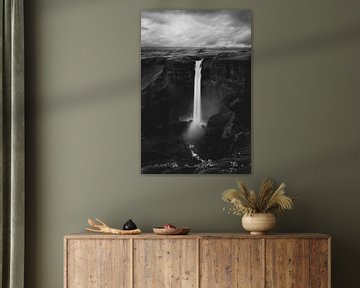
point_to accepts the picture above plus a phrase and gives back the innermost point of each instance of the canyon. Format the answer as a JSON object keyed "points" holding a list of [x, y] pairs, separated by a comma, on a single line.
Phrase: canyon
{"points": [[222, 143]]}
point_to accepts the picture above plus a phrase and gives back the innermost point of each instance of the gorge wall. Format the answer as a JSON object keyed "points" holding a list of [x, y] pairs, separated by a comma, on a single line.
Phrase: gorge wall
{"points": [[167, 107]]}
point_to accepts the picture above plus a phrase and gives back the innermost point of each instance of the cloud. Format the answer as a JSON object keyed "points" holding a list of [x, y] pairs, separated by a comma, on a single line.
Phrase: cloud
{"points": [[195, 28]]}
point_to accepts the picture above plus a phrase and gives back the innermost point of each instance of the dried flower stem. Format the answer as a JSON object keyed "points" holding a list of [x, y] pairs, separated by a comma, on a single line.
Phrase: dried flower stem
{"points": [[245, 201]]}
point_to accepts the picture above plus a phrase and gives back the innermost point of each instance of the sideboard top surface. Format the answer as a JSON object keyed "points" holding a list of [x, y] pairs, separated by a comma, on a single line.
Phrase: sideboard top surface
{"points": [[87, 235]]}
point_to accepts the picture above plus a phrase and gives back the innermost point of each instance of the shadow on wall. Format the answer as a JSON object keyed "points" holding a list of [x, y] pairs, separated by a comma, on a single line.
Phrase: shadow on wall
{"points": [[67, 4], [113, 90], [335, 219], [308, 45], [93, 95]]}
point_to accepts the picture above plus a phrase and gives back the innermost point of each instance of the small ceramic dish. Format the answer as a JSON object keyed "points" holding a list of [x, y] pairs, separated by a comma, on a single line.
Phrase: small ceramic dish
{"points": [[171, 231]]}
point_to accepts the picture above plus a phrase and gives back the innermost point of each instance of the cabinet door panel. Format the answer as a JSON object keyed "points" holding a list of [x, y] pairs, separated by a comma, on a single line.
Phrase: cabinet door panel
{"points": [[287, 263], [165, 263], [98, 264], [231, 263], [319, 263]]}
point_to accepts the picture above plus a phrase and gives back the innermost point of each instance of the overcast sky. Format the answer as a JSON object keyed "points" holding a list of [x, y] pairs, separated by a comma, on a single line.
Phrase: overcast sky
{"points": [[196, 28]]}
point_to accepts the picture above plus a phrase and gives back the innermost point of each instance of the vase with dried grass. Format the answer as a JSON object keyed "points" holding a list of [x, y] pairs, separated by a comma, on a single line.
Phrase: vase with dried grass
{"points": [[258, 210]]}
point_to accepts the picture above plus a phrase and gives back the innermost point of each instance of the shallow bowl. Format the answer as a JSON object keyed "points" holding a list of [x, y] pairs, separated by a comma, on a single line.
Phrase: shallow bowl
{"points": [[171, 231]]}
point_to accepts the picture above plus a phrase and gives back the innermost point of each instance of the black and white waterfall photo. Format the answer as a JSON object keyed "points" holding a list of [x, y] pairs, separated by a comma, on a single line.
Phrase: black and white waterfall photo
{"points": [[195, 92]]}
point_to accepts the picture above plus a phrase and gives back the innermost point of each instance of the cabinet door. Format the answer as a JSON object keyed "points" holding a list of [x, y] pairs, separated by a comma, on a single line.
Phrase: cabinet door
{"points": [[287, 263], [319, 263], [98, 263], [231, 263], [165, 263]]}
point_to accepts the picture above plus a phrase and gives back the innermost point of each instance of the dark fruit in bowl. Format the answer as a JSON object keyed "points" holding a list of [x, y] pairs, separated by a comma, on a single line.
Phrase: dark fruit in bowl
{"points": [[129, 225], [169, 226]]}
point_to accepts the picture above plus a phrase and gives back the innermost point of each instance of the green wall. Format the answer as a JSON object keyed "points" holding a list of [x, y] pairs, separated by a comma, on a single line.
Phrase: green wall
{"points": [[83, 126]]}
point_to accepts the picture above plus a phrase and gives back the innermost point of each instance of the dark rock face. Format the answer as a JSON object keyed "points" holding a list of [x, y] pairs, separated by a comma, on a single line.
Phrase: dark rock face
{"points": [[167, 103], [167, 90]]}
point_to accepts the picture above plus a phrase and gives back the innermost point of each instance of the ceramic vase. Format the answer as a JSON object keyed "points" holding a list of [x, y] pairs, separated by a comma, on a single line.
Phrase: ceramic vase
{"points": [[259, 223]]}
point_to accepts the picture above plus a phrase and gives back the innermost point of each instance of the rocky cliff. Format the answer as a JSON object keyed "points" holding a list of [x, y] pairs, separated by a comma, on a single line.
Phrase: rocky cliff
{"points": [[167, 102]]}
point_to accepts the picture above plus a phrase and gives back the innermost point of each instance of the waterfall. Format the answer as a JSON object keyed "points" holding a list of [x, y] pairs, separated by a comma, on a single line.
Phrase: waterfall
{"points": [[197, 93]]}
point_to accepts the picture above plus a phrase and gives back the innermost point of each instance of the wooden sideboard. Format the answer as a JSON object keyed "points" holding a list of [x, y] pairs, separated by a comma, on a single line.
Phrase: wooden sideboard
{"points": [[197, 260]]}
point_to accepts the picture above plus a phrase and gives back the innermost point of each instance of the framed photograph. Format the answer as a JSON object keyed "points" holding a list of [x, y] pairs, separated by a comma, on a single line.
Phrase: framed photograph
{"points": [[196, 92]]}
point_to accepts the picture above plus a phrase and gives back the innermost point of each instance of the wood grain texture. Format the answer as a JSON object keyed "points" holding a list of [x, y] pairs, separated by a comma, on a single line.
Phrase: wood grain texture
{"points": [[319, 263], [88, 235], [98, 264], [231, 263], [166, 263], [197, 260], [287, 263], [66, 262]]}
